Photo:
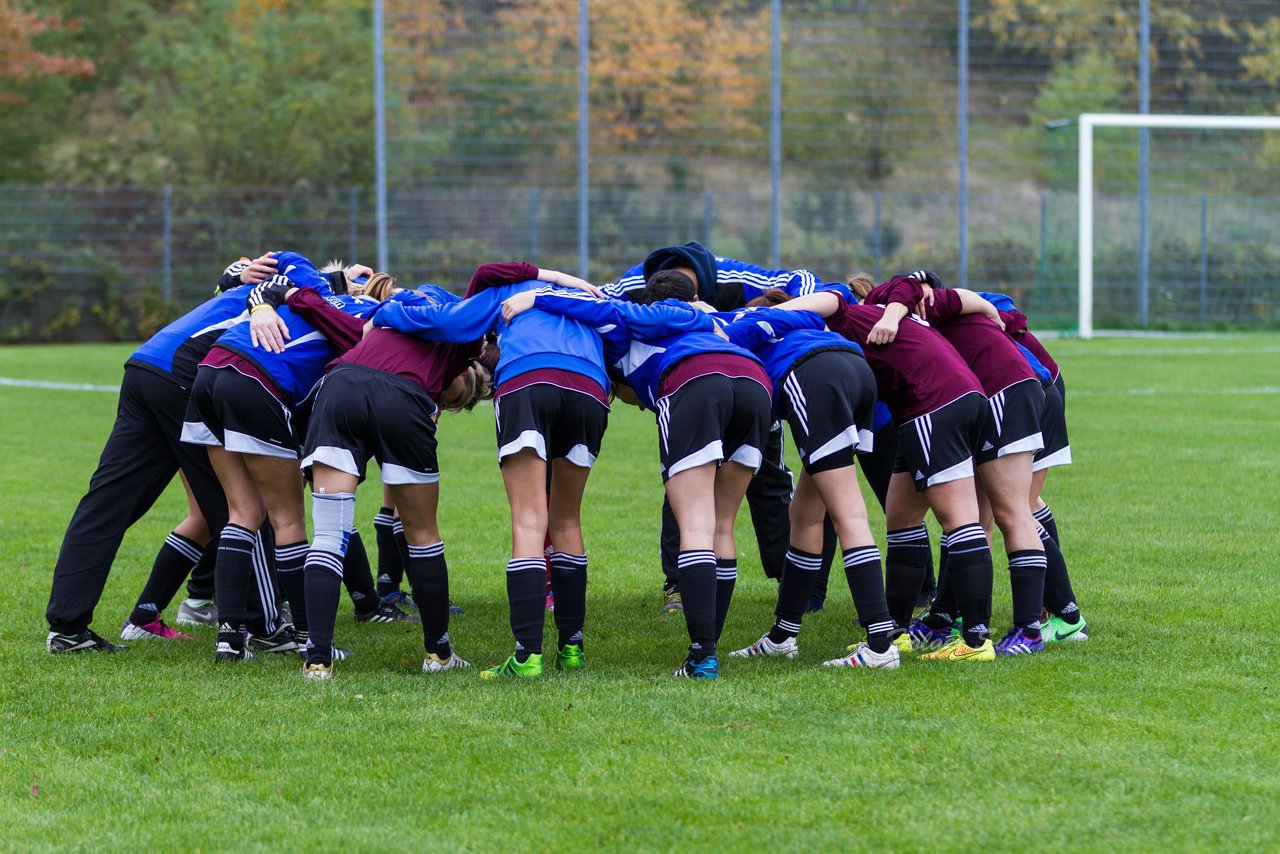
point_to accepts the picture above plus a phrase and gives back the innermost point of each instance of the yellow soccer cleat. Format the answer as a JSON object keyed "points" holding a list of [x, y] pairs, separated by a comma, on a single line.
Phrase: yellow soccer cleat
{"points": [[958, 650]]}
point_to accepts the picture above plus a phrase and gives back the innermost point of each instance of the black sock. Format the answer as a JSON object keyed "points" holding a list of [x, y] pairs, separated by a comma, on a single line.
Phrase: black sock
{"points": [[358, 576], [943, 611], [429, 579], [1059, 598], [969, 567], [1045, 517], [397, 530], [726, 580], [290, 562], [799, 575], [905, 562], [569, 585], [697, 577], [829, 544], [930, 585], [1026, 577], [231, 579], [390, 569], [526, 593], [323, 591], [200, 582], [862, 571], [173, 562]]}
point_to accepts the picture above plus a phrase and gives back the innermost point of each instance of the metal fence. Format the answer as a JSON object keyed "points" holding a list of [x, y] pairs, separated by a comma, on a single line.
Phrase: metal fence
{"points": [[837, 135]]}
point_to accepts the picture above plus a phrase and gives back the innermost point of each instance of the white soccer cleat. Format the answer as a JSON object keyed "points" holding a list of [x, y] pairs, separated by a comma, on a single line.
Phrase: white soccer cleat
{"points": [[864, 656], [434, 663], [787, 649]]}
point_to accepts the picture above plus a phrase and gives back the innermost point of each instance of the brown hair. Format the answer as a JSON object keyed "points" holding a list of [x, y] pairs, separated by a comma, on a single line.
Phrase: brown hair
{"points": [[861, 284], [773, 296], [668, 284], [379, 286], [479, 386]]}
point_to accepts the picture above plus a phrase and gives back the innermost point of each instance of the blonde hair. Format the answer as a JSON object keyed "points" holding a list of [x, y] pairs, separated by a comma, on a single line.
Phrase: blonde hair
{"points": [[479, 386], [861, 284]]}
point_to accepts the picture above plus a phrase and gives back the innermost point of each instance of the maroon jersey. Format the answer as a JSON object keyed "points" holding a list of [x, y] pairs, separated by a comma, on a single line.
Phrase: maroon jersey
{"points": [[915, 374], [430, 364], [987, 349], [1015, 323]]}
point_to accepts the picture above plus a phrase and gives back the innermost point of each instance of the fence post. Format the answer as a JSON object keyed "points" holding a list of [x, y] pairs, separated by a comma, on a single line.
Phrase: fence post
{"points": [[1144, 153], [1043, 265], [878, 235], [533, 223], [962, 142], [353, 234], [1204, 257], [380, 135], [167, 286], [708, 217], [584, 82], [775, 135]]}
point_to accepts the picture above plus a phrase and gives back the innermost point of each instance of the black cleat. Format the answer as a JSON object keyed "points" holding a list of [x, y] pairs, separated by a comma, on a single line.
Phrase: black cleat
{"points": [[386, 612], [282, 639], [85, 641]]}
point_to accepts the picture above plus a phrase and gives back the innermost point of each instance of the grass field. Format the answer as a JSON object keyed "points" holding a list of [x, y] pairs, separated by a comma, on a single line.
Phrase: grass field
{"points": [[1162, 731]]}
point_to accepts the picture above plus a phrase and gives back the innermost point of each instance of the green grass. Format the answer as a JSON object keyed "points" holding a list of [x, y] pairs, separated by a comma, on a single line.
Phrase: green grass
{"points": [[1161, 731]]}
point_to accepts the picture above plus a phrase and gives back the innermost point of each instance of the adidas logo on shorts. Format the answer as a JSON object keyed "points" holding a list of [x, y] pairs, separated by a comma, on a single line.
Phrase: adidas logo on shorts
{"points": [[919, 475], [986, 446]]}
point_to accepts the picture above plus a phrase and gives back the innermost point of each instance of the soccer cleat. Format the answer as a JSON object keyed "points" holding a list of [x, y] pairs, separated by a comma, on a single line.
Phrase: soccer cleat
{"points": [[283, 639], [786, 649], [958, 650], [317, 670], [131, 631], [434, 663], [815, 605], [301, 636], [531, 669], [925, 637], [226, 652], [85, 641], [455, 610], [707, 668], [570, 657], [1058, 630], [197, 612], [403, 601], [386, 612], [903, 643], [864, 656], [1016, 643], [671, 601]]}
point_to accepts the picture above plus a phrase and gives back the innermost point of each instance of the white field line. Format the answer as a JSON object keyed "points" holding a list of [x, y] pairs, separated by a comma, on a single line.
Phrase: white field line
{"points": [[1152, 392], [12, 381], [1173, 351]]}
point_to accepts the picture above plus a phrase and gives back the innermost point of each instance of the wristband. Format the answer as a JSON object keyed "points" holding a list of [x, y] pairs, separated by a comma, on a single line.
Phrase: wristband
{"points": [[261, 305]]}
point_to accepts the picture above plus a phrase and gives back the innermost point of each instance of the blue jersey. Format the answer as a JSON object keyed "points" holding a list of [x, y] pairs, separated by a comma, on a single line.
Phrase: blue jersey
{"points": [[1003, 302], [175, 351], [737, 283], [642, 342], [535, 340], [301, 365], [781, 338]]}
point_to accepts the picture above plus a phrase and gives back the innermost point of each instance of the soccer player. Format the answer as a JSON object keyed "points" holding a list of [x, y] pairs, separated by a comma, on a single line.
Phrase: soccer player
{"points": [[141, 456], [551, 410], [242, 407], [827, 393], [727, 284], [939, 408], [712, 404]]}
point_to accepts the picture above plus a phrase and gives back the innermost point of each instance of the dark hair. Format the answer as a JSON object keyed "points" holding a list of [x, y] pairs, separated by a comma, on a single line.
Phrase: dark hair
{"points": [[668, 284], [773, 296], [490, 353]]}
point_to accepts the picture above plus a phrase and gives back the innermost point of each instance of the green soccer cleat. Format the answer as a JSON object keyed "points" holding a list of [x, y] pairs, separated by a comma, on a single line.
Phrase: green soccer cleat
{"points": [[570, 657], [531, 669], [1058, 629]]}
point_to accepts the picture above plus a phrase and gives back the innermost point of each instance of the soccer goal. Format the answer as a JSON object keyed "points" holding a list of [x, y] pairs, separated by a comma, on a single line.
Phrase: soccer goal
{"points": [[1088, 121]]}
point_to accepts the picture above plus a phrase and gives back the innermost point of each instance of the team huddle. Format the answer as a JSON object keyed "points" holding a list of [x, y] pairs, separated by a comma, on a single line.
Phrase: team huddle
{"points": [[292, 377]]}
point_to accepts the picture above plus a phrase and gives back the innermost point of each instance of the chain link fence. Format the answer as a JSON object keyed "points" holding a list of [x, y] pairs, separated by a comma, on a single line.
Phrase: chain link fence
{"points": [[839, 136]]}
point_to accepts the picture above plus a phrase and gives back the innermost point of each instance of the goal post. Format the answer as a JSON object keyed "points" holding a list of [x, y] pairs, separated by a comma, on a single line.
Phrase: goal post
{"points": [[1088, 121]]}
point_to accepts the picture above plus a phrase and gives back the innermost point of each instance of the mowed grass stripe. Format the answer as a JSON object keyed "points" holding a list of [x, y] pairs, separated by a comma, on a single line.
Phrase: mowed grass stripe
{"points": [[1158, 731]]}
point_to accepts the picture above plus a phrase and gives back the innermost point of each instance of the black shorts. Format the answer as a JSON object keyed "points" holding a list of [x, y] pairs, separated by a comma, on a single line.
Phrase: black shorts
{"points": [[1053, 426], [360, 413], [555, 422], [713, 418], [1014, 424], [829, 400], [232, 411], [938, 447]]}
